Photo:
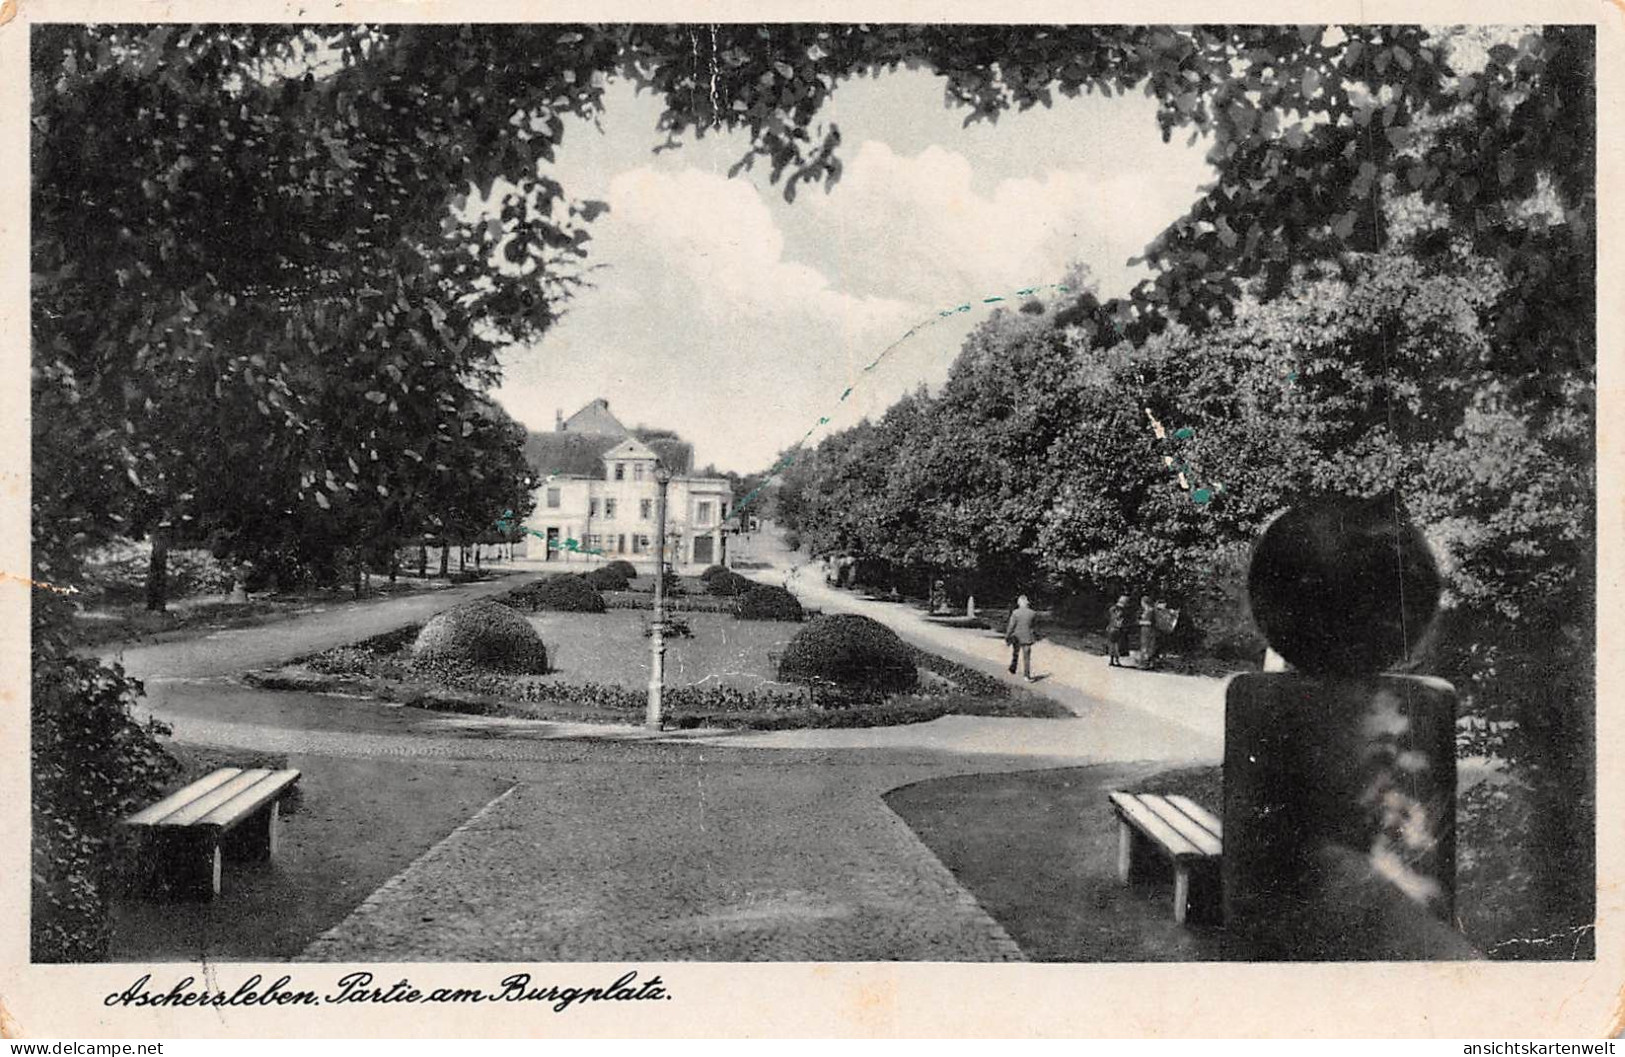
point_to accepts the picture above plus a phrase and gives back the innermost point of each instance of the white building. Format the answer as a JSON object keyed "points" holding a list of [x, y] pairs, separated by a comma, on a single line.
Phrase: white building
{"points": [[596, 495]]}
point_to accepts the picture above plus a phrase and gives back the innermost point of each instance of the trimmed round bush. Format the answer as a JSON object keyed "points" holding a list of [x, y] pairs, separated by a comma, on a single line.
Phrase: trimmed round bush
{"points": [[624, 567], [712, 570], [767, 602], [608, 578], [484, 634], [859, 658], [728, 584], [567, 594]]}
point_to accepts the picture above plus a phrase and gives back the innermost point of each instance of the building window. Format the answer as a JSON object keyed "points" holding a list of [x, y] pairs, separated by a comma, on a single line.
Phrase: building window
{"points": [[646, 543], [637, 471], [552, 499], [620, 471], [609, 510], [646, 509], [620, 543], [702, 513], [592, 508], [637, 544], [594, 542]]}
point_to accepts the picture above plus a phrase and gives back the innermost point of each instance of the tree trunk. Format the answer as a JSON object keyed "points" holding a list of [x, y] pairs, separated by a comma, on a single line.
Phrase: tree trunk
{"points": [[394, 565], [462, 557], [445, 557], [158, 573], [423, 560], [479, 552], [355, 575]]}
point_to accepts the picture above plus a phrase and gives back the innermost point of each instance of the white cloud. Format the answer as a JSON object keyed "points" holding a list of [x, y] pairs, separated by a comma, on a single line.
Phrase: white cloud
{"points": [[915, 228]]}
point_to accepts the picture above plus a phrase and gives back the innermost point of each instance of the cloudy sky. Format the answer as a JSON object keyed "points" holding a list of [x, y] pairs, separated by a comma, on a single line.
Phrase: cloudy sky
{"points": [[738, 319]]}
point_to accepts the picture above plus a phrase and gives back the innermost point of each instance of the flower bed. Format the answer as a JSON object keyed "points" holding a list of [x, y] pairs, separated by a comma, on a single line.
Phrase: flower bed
{"points": [[674, 603]]}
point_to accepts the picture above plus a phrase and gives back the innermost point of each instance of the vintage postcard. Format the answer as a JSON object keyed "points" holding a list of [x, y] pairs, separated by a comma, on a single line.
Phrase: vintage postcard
{"points": [[891, 519]]}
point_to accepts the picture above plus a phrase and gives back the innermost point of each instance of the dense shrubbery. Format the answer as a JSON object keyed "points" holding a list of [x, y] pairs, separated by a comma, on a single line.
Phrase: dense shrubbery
{"points": [[767, 602], [485, 635], [609, 578], [119, 572], [569, 594], [712, 570], [93, 764], [624, 567], [792, 539], [846, 657], [966, 679], [728, 585]]}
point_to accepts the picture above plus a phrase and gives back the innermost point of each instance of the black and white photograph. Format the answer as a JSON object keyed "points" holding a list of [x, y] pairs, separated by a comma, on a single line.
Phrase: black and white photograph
{"points": [[542, 513]]}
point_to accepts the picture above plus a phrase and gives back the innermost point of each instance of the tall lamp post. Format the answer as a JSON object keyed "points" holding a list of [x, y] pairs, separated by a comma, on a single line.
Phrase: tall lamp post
{"points": [[657, 634]]}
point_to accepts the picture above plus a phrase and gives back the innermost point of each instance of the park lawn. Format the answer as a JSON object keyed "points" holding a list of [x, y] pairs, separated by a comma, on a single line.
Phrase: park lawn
{"points": [[721, 675], [610, 648], [1038, 850]]}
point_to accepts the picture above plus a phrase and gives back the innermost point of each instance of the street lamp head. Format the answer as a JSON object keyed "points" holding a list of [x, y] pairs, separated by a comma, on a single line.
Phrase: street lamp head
{"points": [[662, 475]]}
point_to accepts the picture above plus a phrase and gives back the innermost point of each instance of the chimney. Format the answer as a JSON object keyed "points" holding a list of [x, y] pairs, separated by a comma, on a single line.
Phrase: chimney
{"points": [[558, 420]]}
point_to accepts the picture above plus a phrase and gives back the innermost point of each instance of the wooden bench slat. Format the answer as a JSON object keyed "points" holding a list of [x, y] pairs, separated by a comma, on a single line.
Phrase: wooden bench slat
{"points": [[1129, 806], [150, 815], [1199, 814], [1188, 828], [206, 803], [249, 800]]}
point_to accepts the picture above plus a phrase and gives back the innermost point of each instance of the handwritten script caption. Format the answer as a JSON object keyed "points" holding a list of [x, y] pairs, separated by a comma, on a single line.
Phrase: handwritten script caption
{"points": [[359, 988]]}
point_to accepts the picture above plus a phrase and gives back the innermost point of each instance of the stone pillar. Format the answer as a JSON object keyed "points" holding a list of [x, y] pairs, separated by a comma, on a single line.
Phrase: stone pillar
{"points": [[1340, 776]]}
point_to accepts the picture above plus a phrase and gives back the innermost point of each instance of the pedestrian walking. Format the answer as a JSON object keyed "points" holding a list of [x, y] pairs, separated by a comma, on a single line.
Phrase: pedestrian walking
{"points": [[1148, 632], [1116, 621], [1019, 634]]}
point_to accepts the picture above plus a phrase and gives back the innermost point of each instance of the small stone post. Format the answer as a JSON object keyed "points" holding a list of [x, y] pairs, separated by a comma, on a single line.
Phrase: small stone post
{"points": [[1340, 775]]}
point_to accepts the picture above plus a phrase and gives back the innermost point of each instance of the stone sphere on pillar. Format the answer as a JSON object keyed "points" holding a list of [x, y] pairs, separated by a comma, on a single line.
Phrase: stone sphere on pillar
{"points": [[1344, 586]]}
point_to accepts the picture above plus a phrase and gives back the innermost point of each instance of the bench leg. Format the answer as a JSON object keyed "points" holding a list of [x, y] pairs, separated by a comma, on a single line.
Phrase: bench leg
{"points": [[186, 865], [256, 839], [1182, 892], [1125, 851]]}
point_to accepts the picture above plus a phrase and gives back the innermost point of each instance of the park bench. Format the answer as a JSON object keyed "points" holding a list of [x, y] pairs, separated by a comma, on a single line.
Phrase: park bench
{"points": [[1182, 831], [232, 810]]}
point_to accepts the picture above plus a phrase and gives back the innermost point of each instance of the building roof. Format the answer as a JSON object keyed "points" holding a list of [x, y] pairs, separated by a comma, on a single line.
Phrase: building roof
{"points": [[568, 454], [595, 418], [582, 454]]}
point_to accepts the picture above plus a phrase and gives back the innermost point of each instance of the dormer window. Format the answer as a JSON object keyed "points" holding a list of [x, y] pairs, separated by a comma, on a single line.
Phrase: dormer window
{"points": [[620, 471]]}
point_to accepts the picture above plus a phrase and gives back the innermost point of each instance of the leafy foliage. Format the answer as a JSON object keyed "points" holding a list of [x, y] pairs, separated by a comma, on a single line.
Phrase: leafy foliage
{"points": [[566, 593], [481, 634], [608, 578], [728, 584], [94, 763], [852, 657], [768, 602]]}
